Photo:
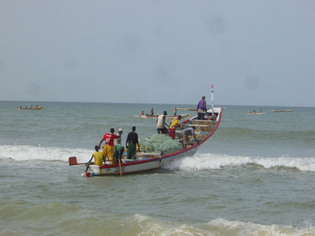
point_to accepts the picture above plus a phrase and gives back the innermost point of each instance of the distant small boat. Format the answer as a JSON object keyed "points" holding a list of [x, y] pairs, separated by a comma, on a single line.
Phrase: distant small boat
{"points": [[255, 113], [31, 108], [285, 110]]}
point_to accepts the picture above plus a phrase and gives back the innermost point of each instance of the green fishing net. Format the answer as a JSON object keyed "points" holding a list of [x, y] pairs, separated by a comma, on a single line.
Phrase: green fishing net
{"points": [[159, 143]]}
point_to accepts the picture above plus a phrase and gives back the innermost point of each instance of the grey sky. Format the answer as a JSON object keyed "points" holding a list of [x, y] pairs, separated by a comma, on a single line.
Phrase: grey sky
{"points": [[255, 52]]}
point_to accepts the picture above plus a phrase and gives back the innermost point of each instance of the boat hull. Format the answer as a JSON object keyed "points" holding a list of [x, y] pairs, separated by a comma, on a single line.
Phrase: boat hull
{"points": [[127, 167], [187, 153]]}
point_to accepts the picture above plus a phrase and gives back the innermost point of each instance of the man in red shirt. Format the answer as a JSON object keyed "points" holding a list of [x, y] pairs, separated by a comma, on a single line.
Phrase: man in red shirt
{"points": [[108, 149]]}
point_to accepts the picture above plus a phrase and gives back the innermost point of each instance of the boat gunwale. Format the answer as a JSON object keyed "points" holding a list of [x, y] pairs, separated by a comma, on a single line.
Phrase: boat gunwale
{"points": [[199, 143]]}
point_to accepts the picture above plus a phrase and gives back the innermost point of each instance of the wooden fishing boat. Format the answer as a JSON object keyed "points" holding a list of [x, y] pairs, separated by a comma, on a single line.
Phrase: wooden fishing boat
{"points": [[144, 161], [191, 133]]}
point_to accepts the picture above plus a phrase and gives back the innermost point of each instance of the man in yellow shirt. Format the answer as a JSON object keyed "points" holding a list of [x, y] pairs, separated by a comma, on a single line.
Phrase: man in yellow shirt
{"points": [[98, 158], [173, 126]]}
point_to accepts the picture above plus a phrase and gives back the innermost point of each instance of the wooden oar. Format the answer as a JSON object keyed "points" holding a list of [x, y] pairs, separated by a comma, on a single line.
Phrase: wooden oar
{"points": [[120, 170], [73, 161]]}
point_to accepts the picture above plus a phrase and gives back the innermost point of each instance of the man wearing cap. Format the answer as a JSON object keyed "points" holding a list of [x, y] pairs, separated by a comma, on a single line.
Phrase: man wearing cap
{"points": [[120, 131], [160, 124], [202, 108]]}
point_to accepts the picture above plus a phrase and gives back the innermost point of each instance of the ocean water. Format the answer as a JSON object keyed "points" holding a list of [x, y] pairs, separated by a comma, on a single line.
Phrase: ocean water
{"points": [[255, 176]]}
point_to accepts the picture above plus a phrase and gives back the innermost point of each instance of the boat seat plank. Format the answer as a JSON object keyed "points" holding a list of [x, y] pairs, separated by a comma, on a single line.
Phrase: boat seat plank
{"points": [[197, 125]]}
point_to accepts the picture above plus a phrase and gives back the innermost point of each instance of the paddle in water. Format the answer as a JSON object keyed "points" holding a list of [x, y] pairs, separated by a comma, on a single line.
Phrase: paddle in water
{"points": [[73, 161]]}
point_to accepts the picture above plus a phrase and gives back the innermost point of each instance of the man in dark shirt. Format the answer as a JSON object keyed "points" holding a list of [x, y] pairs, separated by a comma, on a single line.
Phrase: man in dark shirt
{"points": [[131, 143], [202, 108]]}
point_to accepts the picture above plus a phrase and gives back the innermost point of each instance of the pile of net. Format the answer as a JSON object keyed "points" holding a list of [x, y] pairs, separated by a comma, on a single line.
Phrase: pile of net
{"points": [[160, 143]]}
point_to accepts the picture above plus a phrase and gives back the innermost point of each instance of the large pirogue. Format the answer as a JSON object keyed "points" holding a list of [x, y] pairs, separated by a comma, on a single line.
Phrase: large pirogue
{"points": [[147, 161]]}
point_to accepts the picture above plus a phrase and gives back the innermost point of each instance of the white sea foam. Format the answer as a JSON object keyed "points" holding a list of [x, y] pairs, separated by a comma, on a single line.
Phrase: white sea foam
{"points": [[197, 162], [219, 226], [216, 161], [24, 153], [226, 227]]}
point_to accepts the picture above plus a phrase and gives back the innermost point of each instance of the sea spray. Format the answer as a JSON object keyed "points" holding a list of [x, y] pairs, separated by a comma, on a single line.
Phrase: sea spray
{"points": [[26, 152], [217, 161]]}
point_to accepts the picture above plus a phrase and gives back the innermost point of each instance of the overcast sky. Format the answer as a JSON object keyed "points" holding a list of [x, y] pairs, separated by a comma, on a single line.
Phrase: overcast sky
{"points": [[255, 52]]}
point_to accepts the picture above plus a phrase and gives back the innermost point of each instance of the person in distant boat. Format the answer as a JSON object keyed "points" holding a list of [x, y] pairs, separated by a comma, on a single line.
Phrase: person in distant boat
{"points": [[186, 135], [152, 111], [131, 143], [98, 158], [142, 113], [108, 149], [202, 108], [173, 126], [160, 124]]}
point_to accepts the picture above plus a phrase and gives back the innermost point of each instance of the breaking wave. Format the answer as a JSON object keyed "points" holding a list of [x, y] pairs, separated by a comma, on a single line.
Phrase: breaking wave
{"points": [[197, 162], [217, 161], [25, 153], [58, 218]]}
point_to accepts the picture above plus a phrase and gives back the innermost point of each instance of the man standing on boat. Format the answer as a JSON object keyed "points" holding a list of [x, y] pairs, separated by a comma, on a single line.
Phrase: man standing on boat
{"points": [[131, 143], [120, 131], [160, 124], [108, 149], [202, 108], [173, 126]]}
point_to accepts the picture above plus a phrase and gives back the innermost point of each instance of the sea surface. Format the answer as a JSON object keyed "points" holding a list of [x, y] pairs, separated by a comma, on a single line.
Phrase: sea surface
{"points": [[254, 176]]}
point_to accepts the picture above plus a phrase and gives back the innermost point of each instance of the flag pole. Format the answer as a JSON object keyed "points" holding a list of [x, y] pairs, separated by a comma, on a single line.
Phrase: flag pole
{"points": [[212, 98]]}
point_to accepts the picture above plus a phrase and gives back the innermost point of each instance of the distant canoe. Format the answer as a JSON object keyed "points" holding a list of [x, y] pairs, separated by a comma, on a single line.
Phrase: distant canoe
{"points": [[31, 108], [255, 113], [286, 110]]}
